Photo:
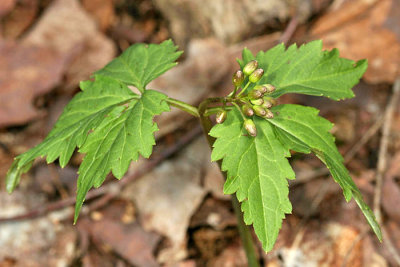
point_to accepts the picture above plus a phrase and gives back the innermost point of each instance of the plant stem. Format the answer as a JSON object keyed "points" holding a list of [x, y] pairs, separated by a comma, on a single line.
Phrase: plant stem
{"points": [[214, 110], [244, 230], [240, 110], [244, 89], [183, 106]]}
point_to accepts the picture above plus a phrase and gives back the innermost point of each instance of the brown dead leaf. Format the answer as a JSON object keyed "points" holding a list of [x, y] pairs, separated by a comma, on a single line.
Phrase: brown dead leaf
{"points": [[66, 28], [20, 18], [6, 6], [96, 53], [323, 245], [230, 21], [26, 71], [102, 11], [214, 182], [232, 256], [391, 190], [42, 241], [129, 241], [214, 213], [167, 197], [365, 29]]}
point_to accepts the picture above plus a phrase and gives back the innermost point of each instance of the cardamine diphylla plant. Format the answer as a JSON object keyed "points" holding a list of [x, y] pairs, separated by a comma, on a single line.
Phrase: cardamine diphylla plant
{"points": [[252, 139]]}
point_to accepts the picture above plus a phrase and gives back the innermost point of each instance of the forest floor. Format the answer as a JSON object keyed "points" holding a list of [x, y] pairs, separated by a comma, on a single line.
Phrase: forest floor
{"points": [[170, 210]]}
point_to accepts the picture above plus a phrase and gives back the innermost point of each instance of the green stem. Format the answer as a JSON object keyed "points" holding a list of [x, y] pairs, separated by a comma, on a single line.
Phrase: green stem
{"points": [[244, 230], [214, 110], [244, 89], [240, 110], [183, 106]]}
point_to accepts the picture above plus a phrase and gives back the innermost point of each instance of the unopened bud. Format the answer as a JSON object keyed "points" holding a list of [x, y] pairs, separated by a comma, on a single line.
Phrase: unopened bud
{"points": [[250, 67], [255, 94], [270, 88], [269, 114], [256, 75], [268, 102], [238, 78], [260, 111], [247, 110], [261, 88], [221, 116], [257, 102], [250, 127]]}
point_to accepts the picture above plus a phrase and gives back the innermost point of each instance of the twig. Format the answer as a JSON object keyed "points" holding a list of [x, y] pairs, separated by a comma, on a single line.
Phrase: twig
{"points": [[382, 157], [289, 31], [110, 190], [390, 246]]}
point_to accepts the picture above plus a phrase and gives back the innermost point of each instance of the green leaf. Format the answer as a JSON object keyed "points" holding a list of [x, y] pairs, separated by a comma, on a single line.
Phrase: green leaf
{"points": [[85, 111], [117, 140], [309, 70], [257, 170], [301, 129], [141, 63], [109, 123]]}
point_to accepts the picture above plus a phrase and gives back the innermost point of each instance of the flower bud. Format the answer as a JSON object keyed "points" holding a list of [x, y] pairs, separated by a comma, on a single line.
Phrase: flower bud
{"points": [[259, 111], [269, 102], [247, 110], [250, 67], [255, 94], [256, 75], [238, 78], [269, 114], [261, 88], [221, 116], [270, 88], [257, 102], [250, 127]]}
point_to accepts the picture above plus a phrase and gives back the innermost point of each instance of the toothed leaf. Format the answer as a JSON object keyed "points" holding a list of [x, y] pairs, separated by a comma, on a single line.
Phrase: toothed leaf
{"points": [[301, 129], [309, 70], [257, 171]]}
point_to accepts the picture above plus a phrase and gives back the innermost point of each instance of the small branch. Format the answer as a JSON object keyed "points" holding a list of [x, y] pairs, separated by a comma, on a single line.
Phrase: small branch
{"points": [[382, 159], [289, 31], [183, 106], [390, 246]]}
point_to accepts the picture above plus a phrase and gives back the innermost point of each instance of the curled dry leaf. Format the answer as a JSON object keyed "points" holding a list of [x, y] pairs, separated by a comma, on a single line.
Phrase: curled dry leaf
{"points": [[365, 29]]}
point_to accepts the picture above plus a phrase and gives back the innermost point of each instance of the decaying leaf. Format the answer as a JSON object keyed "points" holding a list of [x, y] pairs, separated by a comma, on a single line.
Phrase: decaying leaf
{"points": [[26, 71]]}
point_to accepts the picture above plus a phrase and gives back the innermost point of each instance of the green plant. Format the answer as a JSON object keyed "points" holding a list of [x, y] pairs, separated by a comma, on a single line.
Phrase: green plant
{"points": [[252, 139]]}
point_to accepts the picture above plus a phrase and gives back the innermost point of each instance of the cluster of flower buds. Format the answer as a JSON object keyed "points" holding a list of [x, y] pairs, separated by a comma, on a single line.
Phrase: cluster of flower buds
{"points": [[257, 101], [259, 104], [249, 70]]}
